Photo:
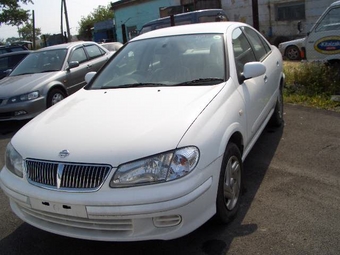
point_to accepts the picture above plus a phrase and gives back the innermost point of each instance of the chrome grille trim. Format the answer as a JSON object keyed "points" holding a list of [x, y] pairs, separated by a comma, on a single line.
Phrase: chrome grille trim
{"points": [[66, 176]]}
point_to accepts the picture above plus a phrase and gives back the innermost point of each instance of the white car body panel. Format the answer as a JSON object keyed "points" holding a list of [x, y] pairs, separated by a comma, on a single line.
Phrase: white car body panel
{"points": [[116, 105], [120, 125]]}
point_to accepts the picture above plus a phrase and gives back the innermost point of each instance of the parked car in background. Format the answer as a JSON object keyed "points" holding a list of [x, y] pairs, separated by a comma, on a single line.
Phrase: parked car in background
{"points": [[47, 76], [9, 60], [200, 16], [112, 46], [292, 50], [153, 146], [11, 48]]}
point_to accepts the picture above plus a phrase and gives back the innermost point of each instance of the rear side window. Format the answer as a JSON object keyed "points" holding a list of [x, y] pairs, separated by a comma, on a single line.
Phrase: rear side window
{"points": [[94, 51]]}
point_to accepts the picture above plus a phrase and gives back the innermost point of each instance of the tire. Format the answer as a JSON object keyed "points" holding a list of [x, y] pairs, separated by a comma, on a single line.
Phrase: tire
{"points": [[230, 185], [277, 118], [293, 53], [55, 96]]}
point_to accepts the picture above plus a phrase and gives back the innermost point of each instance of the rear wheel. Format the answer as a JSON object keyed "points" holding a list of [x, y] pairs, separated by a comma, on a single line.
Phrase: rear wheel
{"points": [[55, 96], [230, 184]]}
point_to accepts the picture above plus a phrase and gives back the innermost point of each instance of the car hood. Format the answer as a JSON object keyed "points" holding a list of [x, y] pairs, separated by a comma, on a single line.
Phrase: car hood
{"points": [[114, 126], [21, 84], [298, 42]]}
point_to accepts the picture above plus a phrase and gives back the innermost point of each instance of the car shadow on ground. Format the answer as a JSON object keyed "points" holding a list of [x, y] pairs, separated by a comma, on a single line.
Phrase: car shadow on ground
{"points": [[210, 239], [8, 128]]}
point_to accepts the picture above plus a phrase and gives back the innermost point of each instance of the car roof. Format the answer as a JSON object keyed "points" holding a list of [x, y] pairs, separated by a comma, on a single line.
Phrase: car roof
{"points": [[65, 45], [199, 28]]}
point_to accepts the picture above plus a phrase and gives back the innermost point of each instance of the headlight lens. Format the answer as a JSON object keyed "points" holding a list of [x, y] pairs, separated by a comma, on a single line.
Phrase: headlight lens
{"points": [[14, 162], [158, 168], [24, 97]]}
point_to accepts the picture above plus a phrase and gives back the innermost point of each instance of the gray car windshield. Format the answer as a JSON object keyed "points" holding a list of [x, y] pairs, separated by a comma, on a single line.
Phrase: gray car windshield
{"points": [[41, 61], [185, 60]]}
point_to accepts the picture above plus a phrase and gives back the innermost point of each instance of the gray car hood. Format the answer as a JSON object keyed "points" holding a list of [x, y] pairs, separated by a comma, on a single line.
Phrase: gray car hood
{"points": [[16, 85]]}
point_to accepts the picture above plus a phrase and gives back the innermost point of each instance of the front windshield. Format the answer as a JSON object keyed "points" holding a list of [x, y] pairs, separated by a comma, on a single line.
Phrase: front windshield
{"points": [[41, 61], [184, 60]]}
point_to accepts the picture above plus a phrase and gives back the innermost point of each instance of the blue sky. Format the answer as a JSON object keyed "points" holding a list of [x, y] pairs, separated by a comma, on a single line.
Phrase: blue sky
{"points": [[48, 15]]}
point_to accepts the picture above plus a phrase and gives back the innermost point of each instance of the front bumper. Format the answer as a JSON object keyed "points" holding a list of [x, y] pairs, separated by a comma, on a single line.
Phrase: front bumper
{"points": [[130, 214], [16, 111]]}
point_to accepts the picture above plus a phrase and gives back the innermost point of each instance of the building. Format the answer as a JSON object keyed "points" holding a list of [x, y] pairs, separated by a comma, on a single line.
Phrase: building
{"points": [[130, 15], [277, 20], [104, 31]]}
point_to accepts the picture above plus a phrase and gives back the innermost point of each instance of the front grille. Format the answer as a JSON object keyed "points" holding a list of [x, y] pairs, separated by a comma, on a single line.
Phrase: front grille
{"points": [[66, 176]]}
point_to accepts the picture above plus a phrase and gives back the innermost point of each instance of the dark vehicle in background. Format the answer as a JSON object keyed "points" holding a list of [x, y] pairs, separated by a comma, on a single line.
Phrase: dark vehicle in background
{"points": [[200, 16], [9, 60], [11, 48], [47, 76]]}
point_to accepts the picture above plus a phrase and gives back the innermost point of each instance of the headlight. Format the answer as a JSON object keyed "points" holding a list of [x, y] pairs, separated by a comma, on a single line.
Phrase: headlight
{"points": [[158, 168], [24, 97], [14, 162]]}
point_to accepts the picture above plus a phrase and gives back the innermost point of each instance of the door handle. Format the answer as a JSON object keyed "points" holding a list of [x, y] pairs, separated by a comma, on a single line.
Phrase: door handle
{"points": [[265, 78]]}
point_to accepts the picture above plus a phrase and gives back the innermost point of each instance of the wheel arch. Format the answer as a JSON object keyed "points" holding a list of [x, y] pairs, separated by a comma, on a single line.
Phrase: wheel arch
{"points": [[237, 139], [54, 86]]}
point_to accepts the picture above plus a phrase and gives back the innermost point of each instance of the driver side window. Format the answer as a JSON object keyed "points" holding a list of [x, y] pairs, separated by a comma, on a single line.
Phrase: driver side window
{"points": [[243, 52], [78, 55], [331, 21]]}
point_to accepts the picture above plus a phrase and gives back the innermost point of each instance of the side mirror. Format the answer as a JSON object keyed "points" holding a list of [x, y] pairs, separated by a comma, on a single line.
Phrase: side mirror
{"points": [[253, 69], [8, 71], [73, 64], [89, 76]]}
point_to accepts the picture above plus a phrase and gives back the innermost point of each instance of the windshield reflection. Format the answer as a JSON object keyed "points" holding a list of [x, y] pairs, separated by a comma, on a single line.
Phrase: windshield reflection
{"points": [[42, 61], [186, 60]]}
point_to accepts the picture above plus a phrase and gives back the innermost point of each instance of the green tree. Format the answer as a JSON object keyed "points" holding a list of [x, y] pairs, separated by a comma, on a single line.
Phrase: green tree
{"points": [[26, 32], [12, 14], [102, 13]]}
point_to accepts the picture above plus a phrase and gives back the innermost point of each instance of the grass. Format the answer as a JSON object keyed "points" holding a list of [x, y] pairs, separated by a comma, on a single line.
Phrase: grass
{"points": [[312, 84]]}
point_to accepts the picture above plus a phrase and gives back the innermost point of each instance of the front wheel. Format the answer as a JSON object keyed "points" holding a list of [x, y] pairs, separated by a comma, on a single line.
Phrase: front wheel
{"points": [[55, 96], [230, 184]]}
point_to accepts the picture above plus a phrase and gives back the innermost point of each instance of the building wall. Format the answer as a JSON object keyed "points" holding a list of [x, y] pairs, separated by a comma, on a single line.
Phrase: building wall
{"points": [[137, 13], [269, 26]]}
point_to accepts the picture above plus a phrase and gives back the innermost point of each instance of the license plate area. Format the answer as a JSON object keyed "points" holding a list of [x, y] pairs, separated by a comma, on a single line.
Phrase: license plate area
{"points": [[59, 208]]}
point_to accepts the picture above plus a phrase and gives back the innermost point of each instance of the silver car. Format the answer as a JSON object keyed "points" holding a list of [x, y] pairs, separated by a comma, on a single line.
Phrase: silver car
{"points": [[292, 49], [47, 76]]}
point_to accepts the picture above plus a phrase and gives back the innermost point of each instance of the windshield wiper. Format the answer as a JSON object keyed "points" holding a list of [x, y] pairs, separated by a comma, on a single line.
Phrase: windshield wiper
{"points": [[135, 85], [201, 81]]}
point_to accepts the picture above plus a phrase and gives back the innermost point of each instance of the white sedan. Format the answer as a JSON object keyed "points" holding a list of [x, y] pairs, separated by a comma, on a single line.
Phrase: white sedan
{"points": [[292, 49], [154, 145]]}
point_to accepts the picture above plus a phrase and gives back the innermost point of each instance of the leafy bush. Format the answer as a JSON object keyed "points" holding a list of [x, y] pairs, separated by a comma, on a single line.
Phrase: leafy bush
{"points": [[312, 83]]}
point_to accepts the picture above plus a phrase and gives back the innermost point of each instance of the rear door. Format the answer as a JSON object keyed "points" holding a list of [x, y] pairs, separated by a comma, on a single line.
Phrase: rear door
{"points": [[96, 55]]}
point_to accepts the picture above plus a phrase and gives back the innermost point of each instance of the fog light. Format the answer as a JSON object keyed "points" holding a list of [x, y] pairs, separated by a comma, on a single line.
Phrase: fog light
{"points": [[167, 221], [18, 113]]}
